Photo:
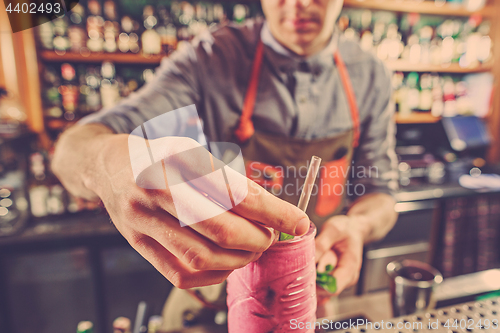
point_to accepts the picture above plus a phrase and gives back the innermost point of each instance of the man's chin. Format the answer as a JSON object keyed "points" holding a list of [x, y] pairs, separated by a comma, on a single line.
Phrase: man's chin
{"points": [[303, 40]]}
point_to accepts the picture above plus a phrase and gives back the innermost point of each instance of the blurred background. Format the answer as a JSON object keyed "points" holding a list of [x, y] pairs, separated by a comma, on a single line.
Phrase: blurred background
{"points": [[62, 260]]}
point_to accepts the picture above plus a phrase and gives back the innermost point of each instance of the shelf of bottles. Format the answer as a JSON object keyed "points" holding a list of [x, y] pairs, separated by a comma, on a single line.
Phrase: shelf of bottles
{"points": [[432, 7], [83, 52], [47, 196], [426, 97], [434, 59]]}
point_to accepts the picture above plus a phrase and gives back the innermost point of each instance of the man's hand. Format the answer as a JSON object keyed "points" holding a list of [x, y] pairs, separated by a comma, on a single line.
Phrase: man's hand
{"points": [[92, 162], [340, 244], [341, 239]]}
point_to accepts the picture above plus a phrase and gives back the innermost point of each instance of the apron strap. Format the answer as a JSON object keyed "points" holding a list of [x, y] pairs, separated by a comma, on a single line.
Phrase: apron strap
{"points": [[351, 98], [246, 129]]}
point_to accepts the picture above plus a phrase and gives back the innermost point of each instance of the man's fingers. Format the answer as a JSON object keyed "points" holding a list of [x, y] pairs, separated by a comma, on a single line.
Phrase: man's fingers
{"points": [[224, 228], [201, 254], [190, 247], [228, 187], [329, 258], [179, 274], [189, 168], [232, 231], [345, 277], [332, 232], [349, 265]]}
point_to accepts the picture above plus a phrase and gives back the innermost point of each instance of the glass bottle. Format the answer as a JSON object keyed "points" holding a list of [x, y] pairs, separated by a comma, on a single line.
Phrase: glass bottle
{"points": [[76, 32], [38, 191], [95, 25], [151, 41], [69, 90], [110, 92]]}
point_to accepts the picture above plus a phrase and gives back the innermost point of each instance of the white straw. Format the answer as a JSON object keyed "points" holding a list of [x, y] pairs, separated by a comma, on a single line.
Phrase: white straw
{"points": [[312, 172]]}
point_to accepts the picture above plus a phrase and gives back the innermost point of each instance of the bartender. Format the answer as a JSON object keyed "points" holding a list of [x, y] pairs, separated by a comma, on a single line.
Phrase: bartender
{"points": [[284, 89]]}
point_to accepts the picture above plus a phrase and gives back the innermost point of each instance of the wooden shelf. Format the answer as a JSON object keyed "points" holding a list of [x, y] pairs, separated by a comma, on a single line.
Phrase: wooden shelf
{"points": [[118, 58], [405, 66], [416, 118], [421, 7], [128, 58]]}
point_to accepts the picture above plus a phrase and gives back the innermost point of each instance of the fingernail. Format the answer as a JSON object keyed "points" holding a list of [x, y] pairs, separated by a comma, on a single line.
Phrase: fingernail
{"points": [[276, 237], [303, 226]]}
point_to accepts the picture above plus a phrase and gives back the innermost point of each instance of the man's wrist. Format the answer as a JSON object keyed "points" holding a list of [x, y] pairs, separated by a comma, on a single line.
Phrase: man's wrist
{"points": [[106, 162], [362, 224]]}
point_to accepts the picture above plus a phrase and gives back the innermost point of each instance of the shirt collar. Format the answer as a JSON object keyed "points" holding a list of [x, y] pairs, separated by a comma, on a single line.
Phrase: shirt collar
{"points": [[285, 61]]}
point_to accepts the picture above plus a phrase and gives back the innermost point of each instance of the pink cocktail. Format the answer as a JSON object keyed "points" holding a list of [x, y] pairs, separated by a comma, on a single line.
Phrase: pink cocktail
{"points": [[276, 293]]}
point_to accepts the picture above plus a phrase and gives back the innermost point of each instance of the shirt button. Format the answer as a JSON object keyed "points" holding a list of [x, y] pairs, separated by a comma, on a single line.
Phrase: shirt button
{"points": [[302, 99]]}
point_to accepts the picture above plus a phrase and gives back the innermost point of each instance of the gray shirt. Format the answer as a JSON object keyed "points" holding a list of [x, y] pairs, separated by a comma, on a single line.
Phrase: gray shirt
{"points": [[297, 97]]}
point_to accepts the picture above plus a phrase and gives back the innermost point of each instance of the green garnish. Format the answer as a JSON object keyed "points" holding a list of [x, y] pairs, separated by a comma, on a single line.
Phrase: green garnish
{"points": [[327, 281], [284, 237]]}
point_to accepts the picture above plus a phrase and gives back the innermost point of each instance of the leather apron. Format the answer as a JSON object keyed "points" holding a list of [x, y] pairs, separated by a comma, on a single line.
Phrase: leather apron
{"points": [[279, 164]]}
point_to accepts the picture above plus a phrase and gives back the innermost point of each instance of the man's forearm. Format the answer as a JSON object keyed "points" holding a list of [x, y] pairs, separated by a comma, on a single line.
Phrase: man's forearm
{"points": [[76, 159], [375, 215]]}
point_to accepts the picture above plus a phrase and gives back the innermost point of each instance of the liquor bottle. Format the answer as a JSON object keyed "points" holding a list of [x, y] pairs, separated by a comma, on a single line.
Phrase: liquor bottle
{"points": [[198, 24], [154, 324], [110, 92], [167, 31], [175, 12], [95, 25], [426, 34], [46, 35], [219, 13], [55, 200], [89, 88], [151, 41], [239, 13], [69, 90], [76, 32], [61, 41], [129, 40], [85, 327], [111, 30], [413, 96], [185, 18], [449, 98], [464, 103], [110, 11], [38, 191], [437, 97], [425, 103], [77, 38], [51, 95], [77, 15], [148, 75], [111, 26], [122, 325], [130, 81]]}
